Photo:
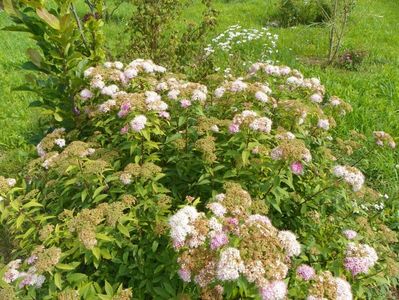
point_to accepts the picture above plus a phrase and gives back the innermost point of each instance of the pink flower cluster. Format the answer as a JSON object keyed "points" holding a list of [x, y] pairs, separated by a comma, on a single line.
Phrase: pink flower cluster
{"points": [[29, 278], [359, 258], [193, 234], [306, 272]]}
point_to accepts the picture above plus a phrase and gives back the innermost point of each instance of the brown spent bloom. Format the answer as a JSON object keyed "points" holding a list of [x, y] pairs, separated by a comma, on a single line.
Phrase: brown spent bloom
{"points": [[237, 200], [291, 150], [129, 200], [324, 286], [95, 166], [46, 258], [125, 294], [45, 232], [85, 222], [205, 124], [384, 139], [7, 293], [215, 293], [48, 142], [207, 146], [68, 295]]}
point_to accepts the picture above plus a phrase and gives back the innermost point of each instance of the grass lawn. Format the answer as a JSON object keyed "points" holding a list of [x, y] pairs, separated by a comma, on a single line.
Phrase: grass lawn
{"points": [[373, 90]]}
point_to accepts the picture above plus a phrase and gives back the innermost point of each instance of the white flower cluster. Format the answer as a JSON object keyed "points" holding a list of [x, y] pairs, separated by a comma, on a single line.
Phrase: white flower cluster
{"points": [[323, 124], [344, 291], [236, 39], [181, 224], [289, 242], [351, 175], [154, 102], [236, 35], [238, 85], [262, 124], [276, 290], [230, 265], [295, 79], [49, 141], [138, 123], [118, 74], [249, 117], [181, 89]]}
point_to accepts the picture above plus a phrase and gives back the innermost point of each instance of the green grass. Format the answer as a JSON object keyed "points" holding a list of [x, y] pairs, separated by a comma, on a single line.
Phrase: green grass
{"points": [[17, 122], [372, 90]]}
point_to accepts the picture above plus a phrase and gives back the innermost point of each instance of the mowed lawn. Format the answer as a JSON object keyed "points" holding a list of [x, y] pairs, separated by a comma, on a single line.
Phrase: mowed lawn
{"points": [[373, 90]]}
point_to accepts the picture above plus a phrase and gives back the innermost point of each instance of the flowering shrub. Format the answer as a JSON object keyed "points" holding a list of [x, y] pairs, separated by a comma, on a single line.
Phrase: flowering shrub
{"points": [[118, 208]]}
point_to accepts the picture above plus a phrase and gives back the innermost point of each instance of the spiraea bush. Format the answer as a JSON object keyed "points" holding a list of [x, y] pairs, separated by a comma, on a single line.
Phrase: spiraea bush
{"points": [[174, 189]]}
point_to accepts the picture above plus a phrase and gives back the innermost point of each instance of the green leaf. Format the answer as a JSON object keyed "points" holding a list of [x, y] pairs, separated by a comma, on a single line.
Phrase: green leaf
{"points": [[32, 204], [35, 57], [9, 8], [108, 289], [58, 280], [104, 237], [67, 267], [48, 18], [58, 117], [20, 220], [98, 191], [245, 155], [96, 252], [105, 254], [154, 246], [76, 277], [123, 230]]}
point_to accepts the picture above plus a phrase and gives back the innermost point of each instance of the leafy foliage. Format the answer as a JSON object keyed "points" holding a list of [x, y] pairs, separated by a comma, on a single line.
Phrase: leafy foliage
{"points": [[148, 143], [65, 46]]}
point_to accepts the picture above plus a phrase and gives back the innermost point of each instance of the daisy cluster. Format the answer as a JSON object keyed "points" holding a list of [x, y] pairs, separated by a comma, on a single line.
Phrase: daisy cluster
{"points": [[359, 258], [231, 243], [236, 37]]}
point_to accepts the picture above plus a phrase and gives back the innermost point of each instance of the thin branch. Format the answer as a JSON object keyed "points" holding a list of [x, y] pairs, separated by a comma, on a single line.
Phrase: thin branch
{"points": [[77, 19]]}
